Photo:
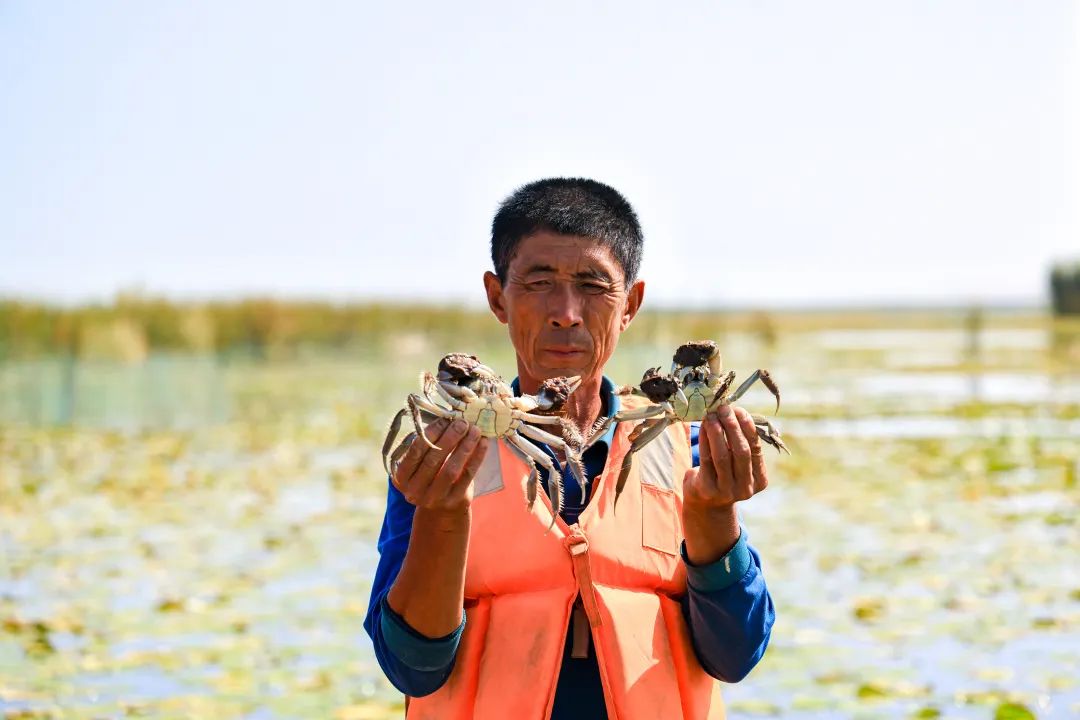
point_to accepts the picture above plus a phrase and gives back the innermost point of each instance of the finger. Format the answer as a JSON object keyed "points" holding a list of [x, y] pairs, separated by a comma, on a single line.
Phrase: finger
{"points": [[757, 457], [411, 460], [433, 459], [464, 483], [721, 456], [415, 487], [739, 447], [707, 476], [448, 473]]}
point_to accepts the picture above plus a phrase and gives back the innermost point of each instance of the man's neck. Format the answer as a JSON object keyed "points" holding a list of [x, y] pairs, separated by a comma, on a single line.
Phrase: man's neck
{"points": [[585, 405]]}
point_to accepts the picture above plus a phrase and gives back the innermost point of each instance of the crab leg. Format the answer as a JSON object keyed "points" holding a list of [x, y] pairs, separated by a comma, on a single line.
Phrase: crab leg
{"points": [[715, 363], [719, 398], [395, 426], [482, 369], [576, 467], [766, 380], [535, 419], [640, 414], [428, 382], [554, 478], [433, 409], [450, 399], [416, 404], [534, 474], [413, 402], [721, 388], [655, 427], [538, 434], [741, 390], [768, 432], [644, 413], [461, 393], [400, 451], [596, 431]]}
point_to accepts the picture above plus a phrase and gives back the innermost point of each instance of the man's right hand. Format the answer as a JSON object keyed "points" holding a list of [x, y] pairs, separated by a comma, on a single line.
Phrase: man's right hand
{"points": [[441, 481], [428, 592]]}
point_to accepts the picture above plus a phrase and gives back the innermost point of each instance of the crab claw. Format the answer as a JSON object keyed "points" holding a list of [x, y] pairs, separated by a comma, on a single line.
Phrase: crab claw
{"points": [[555, 391]]}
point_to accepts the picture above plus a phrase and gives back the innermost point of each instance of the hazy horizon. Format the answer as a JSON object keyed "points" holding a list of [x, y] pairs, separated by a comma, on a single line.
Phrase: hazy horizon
{"points": [[810, 306]]}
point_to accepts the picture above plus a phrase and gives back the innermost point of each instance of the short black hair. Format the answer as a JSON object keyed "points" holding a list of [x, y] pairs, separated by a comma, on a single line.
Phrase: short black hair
{"points": [[567, 206]]}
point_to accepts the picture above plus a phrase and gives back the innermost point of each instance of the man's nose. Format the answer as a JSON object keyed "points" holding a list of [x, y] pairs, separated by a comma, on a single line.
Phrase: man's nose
{"points": [[564, 310]]}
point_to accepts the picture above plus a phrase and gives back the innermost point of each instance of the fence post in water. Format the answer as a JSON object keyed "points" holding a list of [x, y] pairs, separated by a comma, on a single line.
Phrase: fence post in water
{"points": [[1065, 288]]}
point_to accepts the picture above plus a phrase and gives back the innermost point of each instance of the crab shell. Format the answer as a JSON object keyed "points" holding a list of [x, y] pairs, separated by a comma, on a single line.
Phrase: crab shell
{"points": [[693, 354], [658, 387]]}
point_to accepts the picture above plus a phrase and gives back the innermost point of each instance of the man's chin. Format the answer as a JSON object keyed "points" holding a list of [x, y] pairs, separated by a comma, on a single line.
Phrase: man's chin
{"points": [[564, 366]]}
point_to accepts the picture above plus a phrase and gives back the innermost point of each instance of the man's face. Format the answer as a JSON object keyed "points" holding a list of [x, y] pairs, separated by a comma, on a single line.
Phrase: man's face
{"points": [[566, 303]]}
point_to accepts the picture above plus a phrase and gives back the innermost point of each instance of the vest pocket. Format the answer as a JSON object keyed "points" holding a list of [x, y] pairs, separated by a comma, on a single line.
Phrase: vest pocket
{"points": [[659, 524]]}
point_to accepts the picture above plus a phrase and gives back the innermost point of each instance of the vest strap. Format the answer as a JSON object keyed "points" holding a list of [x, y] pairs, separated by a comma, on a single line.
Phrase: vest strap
{"points": [[579, 647], [578, 545]]}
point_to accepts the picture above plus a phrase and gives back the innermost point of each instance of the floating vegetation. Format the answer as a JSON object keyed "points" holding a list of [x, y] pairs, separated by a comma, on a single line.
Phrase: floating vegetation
{"points": [[195, 537]]}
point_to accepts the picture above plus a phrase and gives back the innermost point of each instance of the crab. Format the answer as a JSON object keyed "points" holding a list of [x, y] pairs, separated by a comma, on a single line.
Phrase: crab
{"points": [[472, 391], [694, 388]]}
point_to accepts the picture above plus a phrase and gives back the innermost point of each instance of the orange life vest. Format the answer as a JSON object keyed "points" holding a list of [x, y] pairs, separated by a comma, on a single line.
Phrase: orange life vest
{"points": [[521, 583]]}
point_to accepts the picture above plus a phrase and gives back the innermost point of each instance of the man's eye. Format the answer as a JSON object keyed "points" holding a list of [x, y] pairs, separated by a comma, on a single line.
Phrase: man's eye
{"points": [[538, 285], [593, 288]]}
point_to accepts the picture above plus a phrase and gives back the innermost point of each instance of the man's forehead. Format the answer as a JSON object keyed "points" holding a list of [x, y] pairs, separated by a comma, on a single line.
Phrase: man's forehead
{"points": [[563, 253]]}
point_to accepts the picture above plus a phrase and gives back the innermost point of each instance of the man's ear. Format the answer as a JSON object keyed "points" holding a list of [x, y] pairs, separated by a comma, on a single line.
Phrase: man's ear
{"points": [[495, 299], [634, 299]]}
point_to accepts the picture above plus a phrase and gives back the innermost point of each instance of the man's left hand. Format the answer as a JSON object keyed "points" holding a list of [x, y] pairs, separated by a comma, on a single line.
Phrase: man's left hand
{"points": [[731, 468]]}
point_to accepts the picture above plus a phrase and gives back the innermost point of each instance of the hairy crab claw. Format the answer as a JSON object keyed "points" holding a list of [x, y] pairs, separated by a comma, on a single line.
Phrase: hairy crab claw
{"points": [[466, 389], [554, 392], [461, 368], [659, 387]]}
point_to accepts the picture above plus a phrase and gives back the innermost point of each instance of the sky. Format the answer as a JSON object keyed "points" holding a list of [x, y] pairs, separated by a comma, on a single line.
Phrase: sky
{"points": [[777, 153]]}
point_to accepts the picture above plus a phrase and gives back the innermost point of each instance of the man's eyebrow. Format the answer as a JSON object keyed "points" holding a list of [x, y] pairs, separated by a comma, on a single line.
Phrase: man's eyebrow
{"points": [[588, 274], [538, 269], [593, 274]]}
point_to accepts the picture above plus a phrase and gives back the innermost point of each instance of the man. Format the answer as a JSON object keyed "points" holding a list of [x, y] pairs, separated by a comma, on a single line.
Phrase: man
{"points": [[477, 609]]}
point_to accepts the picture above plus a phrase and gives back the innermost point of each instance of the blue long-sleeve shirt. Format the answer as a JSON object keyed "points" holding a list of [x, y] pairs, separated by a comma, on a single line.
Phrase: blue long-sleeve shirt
{"points": [[727, 607]]}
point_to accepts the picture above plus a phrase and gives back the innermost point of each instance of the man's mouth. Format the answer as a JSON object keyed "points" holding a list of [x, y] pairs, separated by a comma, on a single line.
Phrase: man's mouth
{"points": [[564, 350]]}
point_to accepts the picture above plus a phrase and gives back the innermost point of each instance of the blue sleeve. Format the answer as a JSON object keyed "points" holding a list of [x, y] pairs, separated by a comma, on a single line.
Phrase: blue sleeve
{"points": [[415, 664], [695, 430], [727, 607]]}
